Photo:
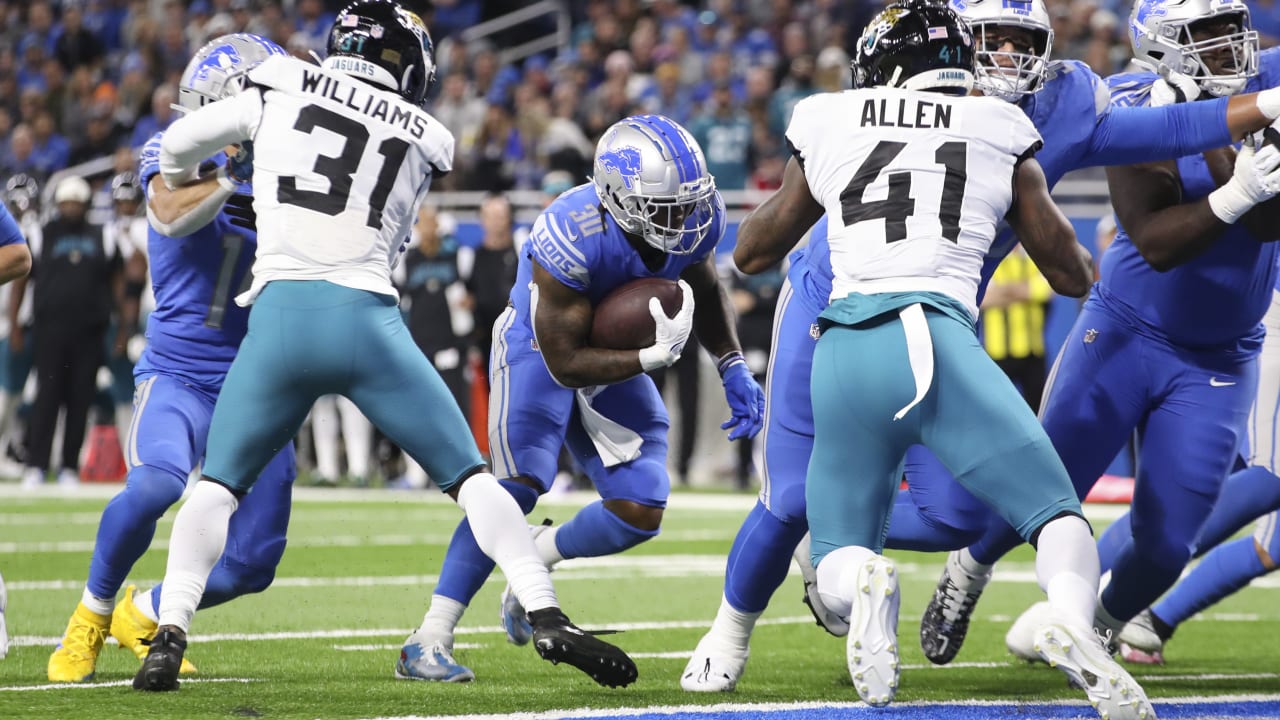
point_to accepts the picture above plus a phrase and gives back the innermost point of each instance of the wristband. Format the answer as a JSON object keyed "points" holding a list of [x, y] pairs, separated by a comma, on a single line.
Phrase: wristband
{"points": [[728, 360], [1229, 202], [227, 182], [1268, 102]]}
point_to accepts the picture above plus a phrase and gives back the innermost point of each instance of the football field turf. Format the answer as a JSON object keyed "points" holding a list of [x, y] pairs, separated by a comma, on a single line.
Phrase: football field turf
{"points": [[323, 640]]}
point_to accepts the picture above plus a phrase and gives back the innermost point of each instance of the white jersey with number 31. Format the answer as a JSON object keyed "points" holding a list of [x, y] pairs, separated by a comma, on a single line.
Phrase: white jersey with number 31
{"points": [[340, 169], [914, 184]]}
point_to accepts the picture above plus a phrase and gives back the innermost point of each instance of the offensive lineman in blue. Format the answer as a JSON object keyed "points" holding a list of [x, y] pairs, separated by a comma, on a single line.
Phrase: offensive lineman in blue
{"points": [[15, 262], [652, 210], [1069, 104], [1168, 340], [201, 246]]}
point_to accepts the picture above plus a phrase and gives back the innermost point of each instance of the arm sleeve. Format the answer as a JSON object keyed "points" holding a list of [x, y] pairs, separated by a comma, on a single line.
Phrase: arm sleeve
{"points": [[195, 137], [10, 233], [1127, 135]]}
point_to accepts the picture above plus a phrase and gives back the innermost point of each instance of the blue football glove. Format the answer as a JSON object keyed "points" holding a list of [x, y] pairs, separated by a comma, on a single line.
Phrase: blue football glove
{"points": [[745, 398], [240, 165]]}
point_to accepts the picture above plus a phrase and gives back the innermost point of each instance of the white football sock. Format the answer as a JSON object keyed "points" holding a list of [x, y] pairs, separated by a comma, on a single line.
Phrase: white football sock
{"points": [[732, 627], [1067, 568], [324, 436], [546, 544], [838, 577], [503, 534], [442, 617], [142, 601], [971, 566], [101, 606], [198, 539]]}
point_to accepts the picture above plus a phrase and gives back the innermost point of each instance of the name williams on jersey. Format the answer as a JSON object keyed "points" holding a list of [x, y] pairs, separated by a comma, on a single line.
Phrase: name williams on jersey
{"points": [[363, 100]]}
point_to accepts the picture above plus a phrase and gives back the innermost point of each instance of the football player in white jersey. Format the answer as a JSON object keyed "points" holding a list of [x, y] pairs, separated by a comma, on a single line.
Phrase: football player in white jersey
{"points": [[914, 192], [344, 156]]}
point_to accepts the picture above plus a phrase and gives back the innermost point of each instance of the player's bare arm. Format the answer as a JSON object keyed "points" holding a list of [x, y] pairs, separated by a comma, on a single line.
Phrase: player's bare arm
{"points": [[1047, 234], [714, 321], [768, 233], [561, 323], [133, 281], [1148, 202], [15, 262], [188, 207]]}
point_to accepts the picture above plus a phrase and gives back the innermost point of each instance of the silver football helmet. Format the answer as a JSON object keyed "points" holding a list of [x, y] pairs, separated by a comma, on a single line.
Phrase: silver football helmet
{"points": [[218, 69], [1160, 31], [1008, 75], [651, 176]]}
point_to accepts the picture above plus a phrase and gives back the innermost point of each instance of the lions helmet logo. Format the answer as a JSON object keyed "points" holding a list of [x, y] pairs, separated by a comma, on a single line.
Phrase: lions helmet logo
{"points": [[1147, 9], [625, 161], [222, 58]]}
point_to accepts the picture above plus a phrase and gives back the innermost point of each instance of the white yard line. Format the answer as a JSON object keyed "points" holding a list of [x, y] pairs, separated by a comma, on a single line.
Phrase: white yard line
{"points": [[113, 683], [397, 646], [341, 633]]}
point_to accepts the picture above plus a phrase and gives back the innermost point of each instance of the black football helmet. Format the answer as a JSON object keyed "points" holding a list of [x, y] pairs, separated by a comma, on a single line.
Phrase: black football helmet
{"points": [[126, 187], [22, 193], [917, 45], [382, 43]]}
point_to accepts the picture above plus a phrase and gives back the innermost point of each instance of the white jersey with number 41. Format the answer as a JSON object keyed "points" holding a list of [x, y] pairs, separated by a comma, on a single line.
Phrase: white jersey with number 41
{"points": [[914, 184], [340, 168]]}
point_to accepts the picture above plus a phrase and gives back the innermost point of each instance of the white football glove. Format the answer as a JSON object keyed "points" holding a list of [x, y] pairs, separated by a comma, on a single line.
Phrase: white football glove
{"points": [[1173, 87], [1256, 179], [670, 334]]}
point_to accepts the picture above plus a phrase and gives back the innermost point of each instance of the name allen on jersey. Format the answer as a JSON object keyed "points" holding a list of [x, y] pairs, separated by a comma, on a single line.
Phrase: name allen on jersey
{"points": [[921, 114]]}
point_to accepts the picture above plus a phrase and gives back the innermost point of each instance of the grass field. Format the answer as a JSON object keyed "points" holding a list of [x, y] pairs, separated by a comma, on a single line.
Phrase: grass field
{"points": [[322, 642]]}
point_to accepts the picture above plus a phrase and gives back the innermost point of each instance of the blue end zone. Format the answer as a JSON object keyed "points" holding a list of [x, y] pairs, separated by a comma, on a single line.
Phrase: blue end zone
{"points": [[959, 711]]}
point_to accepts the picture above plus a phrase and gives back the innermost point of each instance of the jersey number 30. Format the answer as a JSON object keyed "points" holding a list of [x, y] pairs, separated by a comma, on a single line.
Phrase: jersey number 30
{"points": [[341, 170], [899, 205]]}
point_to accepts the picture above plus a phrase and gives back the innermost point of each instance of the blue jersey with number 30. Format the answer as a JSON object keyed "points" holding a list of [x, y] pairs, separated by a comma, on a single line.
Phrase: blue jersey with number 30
{"points": [[196, 327]]}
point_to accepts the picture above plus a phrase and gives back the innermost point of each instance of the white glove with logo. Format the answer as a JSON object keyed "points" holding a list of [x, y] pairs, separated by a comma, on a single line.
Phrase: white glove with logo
{"points": [[671, 334], [1256, 179], [1173, 87]]}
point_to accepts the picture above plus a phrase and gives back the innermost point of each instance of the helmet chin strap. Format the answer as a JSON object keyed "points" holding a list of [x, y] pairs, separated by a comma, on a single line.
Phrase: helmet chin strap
{"points": [[897, 73]]}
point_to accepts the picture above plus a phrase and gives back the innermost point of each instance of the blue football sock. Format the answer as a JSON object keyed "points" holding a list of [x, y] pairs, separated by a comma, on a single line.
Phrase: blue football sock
{"points": [[910, 528], [1113, 539], [128, 524], [1223, 571], [1245, 496], [595, 531], [759, 559], [466, 567]]}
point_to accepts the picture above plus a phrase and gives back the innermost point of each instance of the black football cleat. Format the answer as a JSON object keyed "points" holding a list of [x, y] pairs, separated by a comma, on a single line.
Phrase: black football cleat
{"points": [[159, 671], [560, 641]]}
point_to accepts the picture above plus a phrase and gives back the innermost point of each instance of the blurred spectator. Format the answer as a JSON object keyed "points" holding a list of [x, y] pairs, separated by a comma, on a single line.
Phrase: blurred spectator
{"points": [[50, 150], [161, 116], [77, 281], [312, 19], [18, 157], [796, 86], [725, 136], [668, 97], [76, 45], [461, 113], [492, 271], [452, 16], [31, 57], [1012, 320], [101, 135], [832, 73], [105, 19]]}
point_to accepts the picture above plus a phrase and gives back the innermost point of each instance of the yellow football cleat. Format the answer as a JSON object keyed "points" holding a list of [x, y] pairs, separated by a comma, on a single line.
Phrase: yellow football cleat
{"points": [[130, 627], [77, 654]]}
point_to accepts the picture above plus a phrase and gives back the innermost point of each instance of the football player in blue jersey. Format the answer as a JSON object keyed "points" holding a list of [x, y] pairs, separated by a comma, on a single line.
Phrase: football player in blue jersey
{"points": [[1168, 339], [200, 246], [651, 210], [1069, 104], [15, 262]]}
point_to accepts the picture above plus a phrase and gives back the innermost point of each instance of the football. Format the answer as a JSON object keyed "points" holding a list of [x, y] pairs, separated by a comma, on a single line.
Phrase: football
{"points": [[622, 320]]}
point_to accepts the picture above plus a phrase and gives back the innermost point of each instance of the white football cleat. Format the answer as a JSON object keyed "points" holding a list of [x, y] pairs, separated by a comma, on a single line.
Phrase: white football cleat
{"points": [[1079, 653], [1139, 641], [713, 668], [871, 650], [1021, 638], [827, 618]]}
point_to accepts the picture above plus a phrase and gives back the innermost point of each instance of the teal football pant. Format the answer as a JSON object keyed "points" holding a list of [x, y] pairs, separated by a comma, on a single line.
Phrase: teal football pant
{"points": [[312, 338], [972, 418]]}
